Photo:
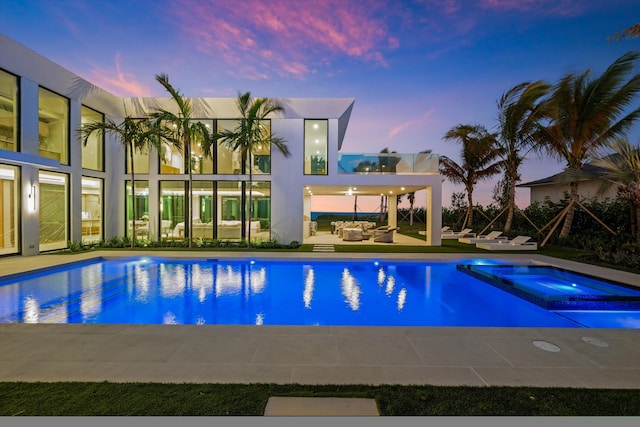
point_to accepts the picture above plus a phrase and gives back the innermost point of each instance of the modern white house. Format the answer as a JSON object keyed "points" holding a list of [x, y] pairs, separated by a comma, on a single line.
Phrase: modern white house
{"points": [[54, 190]]}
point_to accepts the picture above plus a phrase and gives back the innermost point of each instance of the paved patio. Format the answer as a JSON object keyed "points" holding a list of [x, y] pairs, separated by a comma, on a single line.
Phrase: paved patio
{"points": [[600, 358]]}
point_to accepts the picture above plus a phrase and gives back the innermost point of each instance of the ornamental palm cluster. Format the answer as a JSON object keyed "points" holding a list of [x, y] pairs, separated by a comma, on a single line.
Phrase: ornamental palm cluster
{"points": [[573, 121]]}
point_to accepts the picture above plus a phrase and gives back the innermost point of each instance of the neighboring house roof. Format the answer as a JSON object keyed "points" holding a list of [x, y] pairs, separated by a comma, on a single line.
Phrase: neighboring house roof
{"points": [[562, 177]]}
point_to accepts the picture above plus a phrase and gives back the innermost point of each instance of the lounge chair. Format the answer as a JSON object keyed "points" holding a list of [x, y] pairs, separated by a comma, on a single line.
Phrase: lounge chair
{"points": [[456, 235], [520, 243], [492, 237], [446, 230], [384, 235], [352, 234]]}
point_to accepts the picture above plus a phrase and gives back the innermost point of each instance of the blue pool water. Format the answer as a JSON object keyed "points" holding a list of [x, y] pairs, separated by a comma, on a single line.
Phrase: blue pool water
{"points": [[384, 293], [557, 289]]}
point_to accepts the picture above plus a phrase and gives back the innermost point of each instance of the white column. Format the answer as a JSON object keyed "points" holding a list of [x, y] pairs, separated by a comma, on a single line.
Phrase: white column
{"points": [[392, 216], [434, 215]]}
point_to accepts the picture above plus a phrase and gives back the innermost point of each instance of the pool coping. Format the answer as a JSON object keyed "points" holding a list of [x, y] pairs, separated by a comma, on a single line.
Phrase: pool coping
{"points": [[320, 355]]}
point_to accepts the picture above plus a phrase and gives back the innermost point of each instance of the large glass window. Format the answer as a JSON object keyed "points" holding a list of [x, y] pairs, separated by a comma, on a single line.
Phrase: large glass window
{"points": [[139, 210], [8, 111], [202, 204], [316, 140], [229, 210], [172, 209], [140, 160], [53, 126], [172, 157], [201, 164], [229, 161], [92, 152], [261, 214], [91, 209], [53, 205], [9, 212], [261, 153]]}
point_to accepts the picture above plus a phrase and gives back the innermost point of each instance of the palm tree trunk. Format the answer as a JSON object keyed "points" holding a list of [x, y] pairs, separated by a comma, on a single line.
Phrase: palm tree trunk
{"points": [[470, 208], [133, 200], [638, 224], [411, 211], [250, 203], [512, 204], [189, 219], [568, 219]]}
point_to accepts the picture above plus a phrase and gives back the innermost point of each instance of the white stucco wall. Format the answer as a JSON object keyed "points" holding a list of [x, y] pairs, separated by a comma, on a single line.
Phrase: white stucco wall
{"points": [[555, 192]]}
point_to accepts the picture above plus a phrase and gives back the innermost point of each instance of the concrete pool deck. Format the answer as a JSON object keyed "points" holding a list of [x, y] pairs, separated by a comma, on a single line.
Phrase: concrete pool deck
{"points": [[594, 358]]}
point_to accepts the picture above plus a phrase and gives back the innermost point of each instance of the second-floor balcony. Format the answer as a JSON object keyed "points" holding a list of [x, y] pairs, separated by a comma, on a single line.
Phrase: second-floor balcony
{"points": [[425, 163]]}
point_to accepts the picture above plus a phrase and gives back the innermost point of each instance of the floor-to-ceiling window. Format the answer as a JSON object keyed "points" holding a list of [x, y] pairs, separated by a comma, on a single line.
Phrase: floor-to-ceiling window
{"points": [[53, 126], [202, 203], [139, 210], [171, 159], [200, 163], [53, 205], [228, 160], [172, 156], [91, 209], [140, 160], [8, 111], [261, 152], [260, 223], [9, 209], [92, 152], [229, 210], [316, 138], [172, 209]]}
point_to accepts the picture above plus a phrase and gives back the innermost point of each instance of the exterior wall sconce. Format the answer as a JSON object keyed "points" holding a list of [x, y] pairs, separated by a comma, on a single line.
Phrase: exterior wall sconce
{"points": [[32, 199]]}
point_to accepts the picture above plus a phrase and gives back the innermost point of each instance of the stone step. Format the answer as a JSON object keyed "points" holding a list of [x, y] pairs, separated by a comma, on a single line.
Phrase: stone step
{"points": [[323, 248], [320, 406]]}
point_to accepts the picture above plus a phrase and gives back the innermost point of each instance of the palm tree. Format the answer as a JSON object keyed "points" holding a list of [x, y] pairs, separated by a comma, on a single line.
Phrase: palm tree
{"points": [[134, 135], [412, 198], [251, 133], [519, 113], [584, 115], [186, 131], [628, 33], [623, 170], [479, 153]]}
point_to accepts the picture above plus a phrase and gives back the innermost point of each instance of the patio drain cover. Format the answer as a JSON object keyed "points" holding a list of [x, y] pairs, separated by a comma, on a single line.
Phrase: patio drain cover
{"points": [[595, 341], [546, 346]]}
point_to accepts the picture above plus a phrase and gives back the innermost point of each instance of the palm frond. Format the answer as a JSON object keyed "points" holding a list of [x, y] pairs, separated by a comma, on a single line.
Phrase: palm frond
{"points": [[626, 34]]}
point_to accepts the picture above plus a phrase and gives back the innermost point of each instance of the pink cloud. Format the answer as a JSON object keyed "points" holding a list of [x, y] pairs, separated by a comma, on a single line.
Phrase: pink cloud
{"points": [[409, 124], [119, 83], [287, 37]]}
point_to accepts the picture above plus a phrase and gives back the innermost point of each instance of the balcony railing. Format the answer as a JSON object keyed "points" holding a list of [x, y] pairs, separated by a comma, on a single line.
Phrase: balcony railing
{"points": [[389, 163]]}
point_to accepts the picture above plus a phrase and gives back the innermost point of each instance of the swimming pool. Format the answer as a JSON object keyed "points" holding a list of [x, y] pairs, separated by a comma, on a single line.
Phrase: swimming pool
{"points": [[267, 292]]}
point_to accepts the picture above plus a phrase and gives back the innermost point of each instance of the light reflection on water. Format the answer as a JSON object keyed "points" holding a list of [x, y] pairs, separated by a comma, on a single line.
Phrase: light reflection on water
{"points": [[350, 289], [276, 293], [309, 283]]}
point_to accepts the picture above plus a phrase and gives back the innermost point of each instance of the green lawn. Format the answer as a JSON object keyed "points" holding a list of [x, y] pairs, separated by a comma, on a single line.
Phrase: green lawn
{"points": [[84, 399]]}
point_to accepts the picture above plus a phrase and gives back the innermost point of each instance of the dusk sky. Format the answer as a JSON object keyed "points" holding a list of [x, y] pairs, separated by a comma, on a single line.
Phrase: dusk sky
{"points": [[416, 68]]}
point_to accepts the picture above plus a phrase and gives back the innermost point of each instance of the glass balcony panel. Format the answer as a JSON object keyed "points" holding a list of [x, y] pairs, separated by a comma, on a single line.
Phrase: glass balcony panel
{"points": [[388, 163]]}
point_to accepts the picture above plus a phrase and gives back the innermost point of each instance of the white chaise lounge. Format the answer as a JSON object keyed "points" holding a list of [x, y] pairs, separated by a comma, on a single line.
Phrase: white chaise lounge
{"points": [[456, 235], [520, 243], [492, 237]]}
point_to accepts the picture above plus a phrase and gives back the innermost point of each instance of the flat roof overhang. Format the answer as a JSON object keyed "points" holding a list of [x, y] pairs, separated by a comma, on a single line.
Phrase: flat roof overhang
{"points": [[361, 190]]}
